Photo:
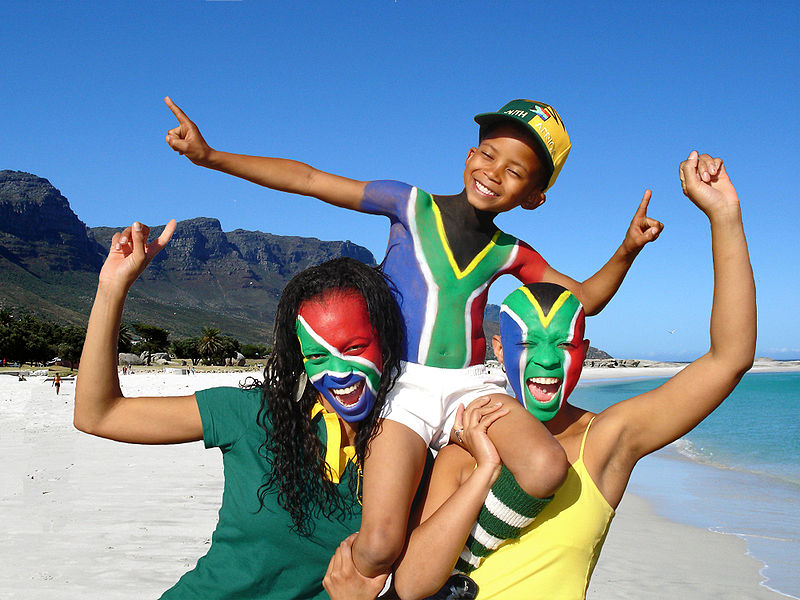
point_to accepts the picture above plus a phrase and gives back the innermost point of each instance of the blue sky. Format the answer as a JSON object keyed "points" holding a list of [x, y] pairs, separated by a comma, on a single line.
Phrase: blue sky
{"points": [[387, 90]]}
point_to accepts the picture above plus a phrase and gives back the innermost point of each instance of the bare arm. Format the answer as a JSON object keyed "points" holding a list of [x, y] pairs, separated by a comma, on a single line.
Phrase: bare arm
{"points": [[661, 416], [100, 407], [342, 580], [595, 292], [275, 173], [454, 497]]}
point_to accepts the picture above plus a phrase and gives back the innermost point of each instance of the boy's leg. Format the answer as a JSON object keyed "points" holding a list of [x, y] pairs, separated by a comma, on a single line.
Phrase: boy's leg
{"points": [[392, 472], [528, 450]]}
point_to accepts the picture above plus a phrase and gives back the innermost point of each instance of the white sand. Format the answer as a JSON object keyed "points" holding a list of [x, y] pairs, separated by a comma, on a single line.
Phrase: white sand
{"points": [[87, 518]]}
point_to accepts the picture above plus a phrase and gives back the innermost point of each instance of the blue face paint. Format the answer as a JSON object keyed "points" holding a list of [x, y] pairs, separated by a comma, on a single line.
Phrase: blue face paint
{"points": [[349, 394]]}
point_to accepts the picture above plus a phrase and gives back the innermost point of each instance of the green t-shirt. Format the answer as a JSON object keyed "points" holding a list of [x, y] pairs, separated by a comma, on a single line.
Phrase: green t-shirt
{"points": [[253, 553]]}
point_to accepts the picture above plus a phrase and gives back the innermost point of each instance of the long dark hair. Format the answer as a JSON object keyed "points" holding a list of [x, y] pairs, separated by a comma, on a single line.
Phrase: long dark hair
{"points": [[293, 450]]}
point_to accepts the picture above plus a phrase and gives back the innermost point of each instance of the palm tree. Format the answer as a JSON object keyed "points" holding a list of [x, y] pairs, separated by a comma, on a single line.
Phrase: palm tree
{"points": [[210, 342], [124, 341]]}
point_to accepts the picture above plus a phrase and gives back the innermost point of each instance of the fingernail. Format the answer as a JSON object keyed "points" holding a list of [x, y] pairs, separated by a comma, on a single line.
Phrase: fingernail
{"points": [[137, 226], [123, 240]]}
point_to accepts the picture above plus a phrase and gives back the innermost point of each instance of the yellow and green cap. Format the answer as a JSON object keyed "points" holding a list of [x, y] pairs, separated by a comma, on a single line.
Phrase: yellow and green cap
{"points": [[544, 122]]}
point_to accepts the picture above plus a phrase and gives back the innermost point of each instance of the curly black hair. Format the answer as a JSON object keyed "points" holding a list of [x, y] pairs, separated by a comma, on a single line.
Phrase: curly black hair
{"points": [[295, 454]]}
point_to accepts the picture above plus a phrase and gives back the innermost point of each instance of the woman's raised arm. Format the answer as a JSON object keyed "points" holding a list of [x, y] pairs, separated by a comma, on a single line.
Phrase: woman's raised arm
{"points": [[100, 407], [661, 416]]}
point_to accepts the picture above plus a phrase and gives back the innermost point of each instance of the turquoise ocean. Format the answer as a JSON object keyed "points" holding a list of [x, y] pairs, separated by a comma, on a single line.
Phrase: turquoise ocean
{"points": [[737, 473]]}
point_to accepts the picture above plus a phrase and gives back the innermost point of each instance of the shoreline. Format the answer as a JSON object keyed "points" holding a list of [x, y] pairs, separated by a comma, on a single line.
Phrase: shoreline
{"points": [[649, 369], [90, 518], [659, 488], [650, 556]]}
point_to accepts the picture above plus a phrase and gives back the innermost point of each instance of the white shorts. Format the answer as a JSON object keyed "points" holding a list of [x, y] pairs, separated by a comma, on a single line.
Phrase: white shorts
{"points": [[425, 399]]}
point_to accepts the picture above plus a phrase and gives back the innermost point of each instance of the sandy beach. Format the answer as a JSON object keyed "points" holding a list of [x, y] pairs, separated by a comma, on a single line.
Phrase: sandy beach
{"points": [[89, 518]]}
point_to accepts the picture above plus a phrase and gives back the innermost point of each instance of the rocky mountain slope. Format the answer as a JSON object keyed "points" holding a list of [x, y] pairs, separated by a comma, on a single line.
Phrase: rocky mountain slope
{"points": [[49, 262], [205, 277]]}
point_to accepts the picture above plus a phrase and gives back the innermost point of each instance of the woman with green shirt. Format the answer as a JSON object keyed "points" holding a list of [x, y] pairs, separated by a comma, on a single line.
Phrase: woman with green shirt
{"points": [[291, 445]]}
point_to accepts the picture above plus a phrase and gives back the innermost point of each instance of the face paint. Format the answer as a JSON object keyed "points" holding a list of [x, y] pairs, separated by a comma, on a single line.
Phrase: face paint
{"points": [[341, 352], [543, 354]]}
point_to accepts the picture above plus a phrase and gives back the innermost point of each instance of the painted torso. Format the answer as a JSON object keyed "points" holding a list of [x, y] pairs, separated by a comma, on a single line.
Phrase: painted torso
{"points": [[442, 256]]}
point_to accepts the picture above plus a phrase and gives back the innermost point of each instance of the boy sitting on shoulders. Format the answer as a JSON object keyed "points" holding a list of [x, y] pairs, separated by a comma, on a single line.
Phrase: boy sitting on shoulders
{"points": [[443, 253]]}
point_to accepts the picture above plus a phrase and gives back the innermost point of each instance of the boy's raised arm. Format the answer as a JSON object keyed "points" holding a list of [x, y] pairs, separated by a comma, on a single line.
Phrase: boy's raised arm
{"points": [[661, 416], [275, 173], [595, 292]]}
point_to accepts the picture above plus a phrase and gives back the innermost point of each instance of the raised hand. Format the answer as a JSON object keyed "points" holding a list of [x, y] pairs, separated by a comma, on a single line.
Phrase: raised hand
{"points": [[186, 138], [470, 429], [642, 229], [130, 254], [706, 183]]}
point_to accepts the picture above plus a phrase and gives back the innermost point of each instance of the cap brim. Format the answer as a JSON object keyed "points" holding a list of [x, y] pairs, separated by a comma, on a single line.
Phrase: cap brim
{"points": [[485, 119]]}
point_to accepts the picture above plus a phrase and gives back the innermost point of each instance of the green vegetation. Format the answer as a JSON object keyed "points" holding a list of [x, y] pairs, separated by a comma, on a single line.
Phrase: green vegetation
{"points": [[25, 339], [154, 339]]}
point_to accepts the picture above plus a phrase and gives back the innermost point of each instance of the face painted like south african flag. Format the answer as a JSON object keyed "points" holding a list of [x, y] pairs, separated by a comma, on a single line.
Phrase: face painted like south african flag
{"points": [[341, 353], [543, 353]]}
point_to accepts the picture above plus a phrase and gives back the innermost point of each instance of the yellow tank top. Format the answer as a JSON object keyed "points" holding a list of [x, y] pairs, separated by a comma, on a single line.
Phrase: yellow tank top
{"points": [[554, 557]]}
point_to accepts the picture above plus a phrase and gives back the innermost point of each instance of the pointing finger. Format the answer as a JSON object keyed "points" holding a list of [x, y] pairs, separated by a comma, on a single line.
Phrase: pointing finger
{"points": [[181, 116], [641, 212], [158, 244]]}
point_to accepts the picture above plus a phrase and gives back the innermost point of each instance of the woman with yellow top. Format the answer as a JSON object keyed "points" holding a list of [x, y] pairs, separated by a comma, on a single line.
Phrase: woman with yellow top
{"points": [[543, 347], [291, 445]]}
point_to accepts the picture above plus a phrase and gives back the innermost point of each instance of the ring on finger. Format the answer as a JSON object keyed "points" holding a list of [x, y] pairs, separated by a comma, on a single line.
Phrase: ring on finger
{"points": [[457, 433]]}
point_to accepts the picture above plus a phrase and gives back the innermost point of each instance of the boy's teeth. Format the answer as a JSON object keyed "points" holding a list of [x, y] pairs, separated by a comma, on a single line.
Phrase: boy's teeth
{"points": [[483, 189]]}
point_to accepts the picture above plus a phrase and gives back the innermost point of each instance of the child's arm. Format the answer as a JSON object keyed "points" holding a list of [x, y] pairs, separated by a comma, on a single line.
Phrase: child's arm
{"points": [[275, 173], [595, 292], [100, 407]]}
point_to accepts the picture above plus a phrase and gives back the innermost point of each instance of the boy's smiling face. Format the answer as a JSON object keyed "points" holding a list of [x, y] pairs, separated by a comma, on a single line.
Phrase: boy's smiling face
{"points": [[504, 172]]}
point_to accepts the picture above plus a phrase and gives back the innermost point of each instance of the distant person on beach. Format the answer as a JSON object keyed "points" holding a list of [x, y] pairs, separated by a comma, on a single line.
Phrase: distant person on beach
{"points": [[542, 346], [57, 383], [292, 446], [444, 252]]}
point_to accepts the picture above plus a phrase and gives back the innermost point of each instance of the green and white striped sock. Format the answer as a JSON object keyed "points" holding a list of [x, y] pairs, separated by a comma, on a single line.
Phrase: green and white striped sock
{"points": [[506, 511]]}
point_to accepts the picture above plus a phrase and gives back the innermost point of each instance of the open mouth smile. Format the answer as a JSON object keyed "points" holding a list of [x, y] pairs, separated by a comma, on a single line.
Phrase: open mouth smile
{"points": [[482, 189], [543, 389], [348, 396]]}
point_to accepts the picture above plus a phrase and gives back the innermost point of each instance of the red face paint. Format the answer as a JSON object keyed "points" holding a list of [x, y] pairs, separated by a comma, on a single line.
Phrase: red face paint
{"points": [[341, 318]]}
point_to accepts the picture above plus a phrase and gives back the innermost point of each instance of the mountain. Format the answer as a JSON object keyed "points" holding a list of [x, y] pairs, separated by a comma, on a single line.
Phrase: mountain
{"points": [[205, 277], [49, 261]]}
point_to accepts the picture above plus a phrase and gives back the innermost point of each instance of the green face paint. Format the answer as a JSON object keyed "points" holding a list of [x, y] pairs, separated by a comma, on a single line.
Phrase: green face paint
{"points": [[543, 353]]}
